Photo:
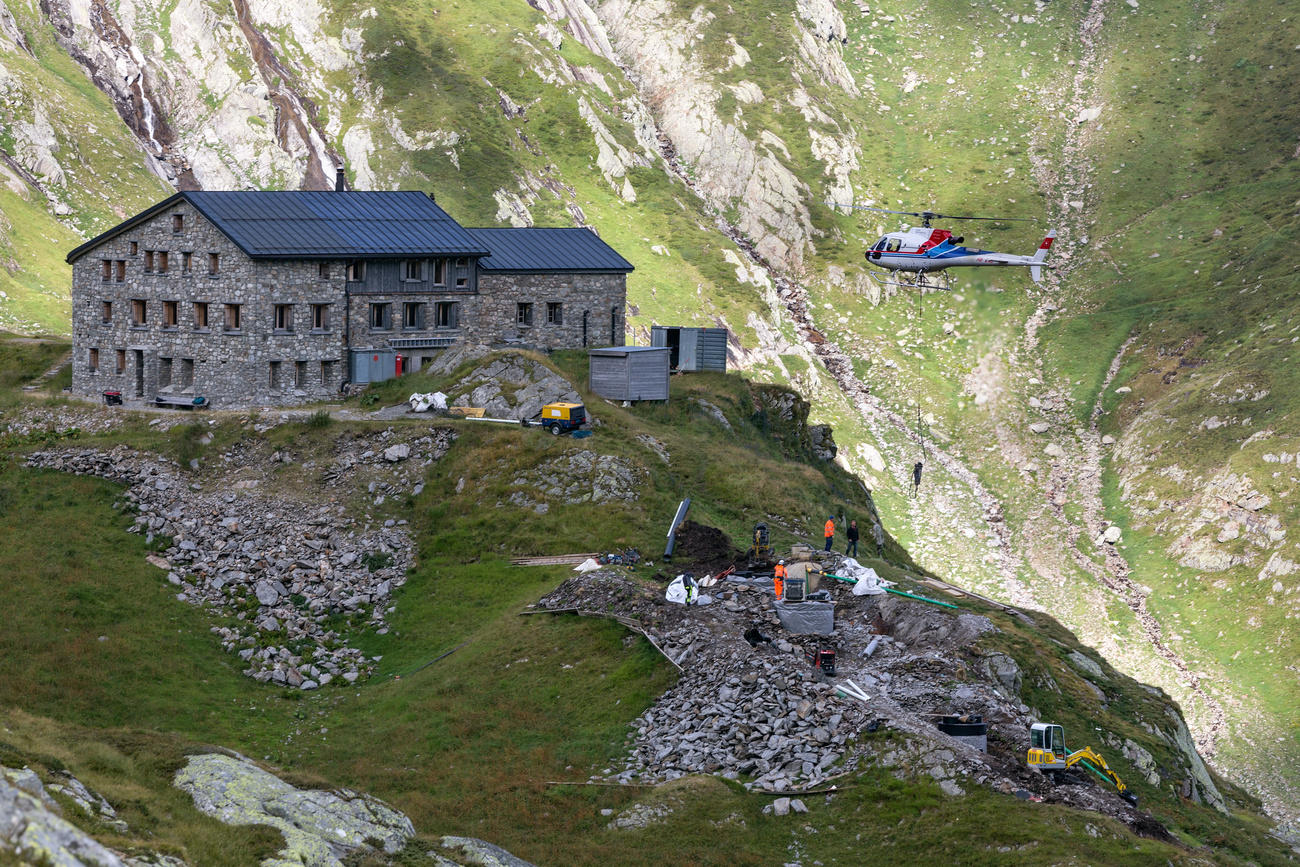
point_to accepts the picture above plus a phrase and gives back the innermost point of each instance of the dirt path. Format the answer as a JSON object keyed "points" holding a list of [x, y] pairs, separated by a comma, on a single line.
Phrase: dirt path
{"points": [[1080, 473]]}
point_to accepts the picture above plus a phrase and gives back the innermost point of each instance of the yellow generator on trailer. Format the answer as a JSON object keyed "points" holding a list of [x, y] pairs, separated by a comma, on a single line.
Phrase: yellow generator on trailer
{"points": [[561, 418], [1047, 752]]}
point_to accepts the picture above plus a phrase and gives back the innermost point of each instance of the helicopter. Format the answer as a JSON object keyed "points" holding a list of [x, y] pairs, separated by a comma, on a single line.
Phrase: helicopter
{"points": [[922, 250]]}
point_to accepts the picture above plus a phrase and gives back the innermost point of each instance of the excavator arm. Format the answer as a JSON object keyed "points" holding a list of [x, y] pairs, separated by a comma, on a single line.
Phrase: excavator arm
{"points": [[1095, 763]]}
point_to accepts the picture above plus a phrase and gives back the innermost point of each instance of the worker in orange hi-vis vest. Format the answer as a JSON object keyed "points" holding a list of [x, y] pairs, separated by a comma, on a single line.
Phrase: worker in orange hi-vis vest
{"points": [[830, 532], [778, 580]]}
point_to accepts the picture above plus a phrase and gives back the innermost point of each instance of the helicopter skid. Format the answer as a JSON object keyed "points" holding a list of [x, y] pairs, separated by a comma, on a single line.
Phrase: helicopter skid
{"points": [[918, 280]]}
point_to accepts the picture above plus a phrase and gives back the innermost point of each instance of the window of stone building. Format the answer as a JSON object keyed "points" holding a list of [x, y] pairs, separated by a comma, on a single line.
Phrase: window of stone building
{"points": [[440, 272], [162, 261], [106, 268], [214, 263], [164, 372], [106, 311], [323, 270], [412, 314], [554, 313], [446, 315], [613, 326], [178, 224], [234, 317], [139, 313], [170, 319], [462, 273], [187, 373], [284, 317], [381, 317], [413, 269], [148, 261], [200, 316], [300, 374], [121, 361], [320, 317], [355, 271], [119, 270], [135, 248], [326, 373], [276, 373], [187, 262], [93, 361], [523, 314]]}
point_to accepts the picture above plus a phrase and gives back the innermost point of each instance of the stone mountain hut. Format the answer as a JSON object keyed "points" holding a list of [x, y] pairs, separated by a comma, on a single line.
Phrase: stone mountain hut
{"points": [[275, 298]]}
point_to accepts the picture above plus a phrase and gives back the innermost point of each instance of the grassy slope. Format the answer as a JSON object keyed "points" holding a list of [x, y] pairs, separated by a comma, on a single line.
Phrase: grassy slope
{"points": [[107, 674], [104, 178]]}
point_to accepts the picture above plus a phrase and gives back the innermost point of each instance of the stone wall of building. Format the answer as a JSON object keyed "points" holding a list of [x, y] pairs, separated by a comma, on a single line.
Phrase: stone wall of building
{"points": [[568, 311], [255, 363]]}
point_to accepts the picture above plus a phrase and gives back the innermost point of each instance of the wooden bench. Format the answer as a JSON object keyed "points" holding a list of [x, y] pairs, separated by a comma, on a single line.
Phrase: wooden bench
{"points": [[180, 401]]}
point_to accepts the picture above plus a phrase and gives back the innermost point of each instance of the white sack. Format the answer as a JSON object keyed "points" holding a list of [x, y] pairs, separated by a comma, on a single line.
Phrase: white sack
{"points": [[869, 583], [588, 565]]}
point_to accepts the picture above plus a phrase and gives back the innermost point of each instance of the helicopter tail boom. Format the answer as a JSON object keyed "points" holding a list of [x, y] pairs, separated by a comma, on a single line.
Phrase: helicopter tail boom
{"points": [[1035, 267]]}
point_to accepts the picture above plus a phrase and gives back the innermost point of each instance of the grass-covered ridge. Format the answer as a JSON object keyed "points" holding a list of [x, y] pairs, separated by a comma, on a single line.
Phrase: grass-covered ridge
{"points": [[107, 674]]}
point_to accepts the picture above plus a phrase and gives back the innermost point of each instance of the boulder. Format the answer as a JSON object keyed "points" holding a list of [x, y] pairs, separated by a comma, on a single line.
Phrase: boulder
{"points": [[32, 832], [472, 852], [319, 827]]}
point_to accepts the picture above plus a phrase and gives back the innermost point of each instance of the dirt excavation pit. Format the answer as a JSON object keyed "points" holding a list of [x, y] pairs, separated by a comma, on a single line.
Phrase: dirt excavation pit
{"points": [[764, 716], [703, 550]]}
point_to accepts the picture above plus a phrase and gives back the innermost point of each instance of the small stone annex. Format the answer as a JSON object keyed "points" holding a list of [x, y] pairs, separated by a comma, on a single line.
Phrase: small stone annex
{"points": [[279, 298]]}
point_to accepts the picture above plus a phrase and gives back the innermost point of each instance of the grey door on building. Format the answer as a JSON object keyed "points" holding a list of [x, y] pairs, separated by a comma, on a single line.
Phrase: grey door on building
{"points": [[373, 365]]}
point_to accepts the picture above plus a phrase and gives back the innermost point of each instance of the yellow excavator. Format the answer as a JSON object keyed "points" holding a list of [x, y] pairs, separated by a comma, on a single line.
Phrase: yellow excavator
{"points": [[1047, 752]]}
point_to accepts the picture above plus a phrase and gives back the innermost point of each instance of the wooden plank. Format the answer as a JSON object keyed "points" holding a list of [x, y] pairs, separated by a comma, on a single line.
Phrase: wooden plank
{"points": [[946, 588], [554, 560]]}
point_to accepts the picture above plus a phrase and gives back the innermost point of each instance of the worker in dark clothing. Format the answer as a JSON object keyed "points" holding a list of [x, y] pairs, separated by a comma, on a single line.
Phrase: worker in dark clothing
{"points": [[851, 549], [830, 531], [879, 533], [916, 478]]}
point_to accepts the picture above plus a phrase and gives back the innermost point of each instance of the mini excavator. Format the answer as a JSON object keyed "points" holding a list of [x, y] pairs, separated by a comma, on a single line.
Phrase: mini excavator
{"points": [[759, 555], [1047, 752]]}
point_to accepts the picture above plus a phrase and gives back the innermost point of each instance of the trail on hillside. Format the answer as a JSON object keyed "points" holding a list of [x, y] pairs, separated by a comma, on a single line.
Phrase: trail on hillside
{"points": [[1081, 474]]}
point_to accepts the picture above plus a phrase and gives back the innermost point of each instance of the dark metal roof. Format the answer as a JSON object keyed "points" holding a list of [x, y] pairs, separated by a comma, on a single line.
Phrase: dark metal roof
{"points": [[548, 250], [308, 224], [625, 350]]}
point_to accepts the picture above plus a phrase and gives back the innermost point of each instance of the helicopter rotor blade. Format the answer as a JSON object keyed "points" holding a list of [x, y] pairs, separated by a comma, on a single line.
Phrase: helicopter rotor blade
{"points": [[929, 215], [867, 208], [935, 216]]}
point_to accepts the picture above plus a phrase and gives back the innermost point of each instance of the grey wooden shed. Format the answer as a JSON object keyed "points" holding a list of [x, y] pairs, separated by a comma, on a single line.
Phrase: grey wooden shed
{"points": [[630, 372], [692, 349]]}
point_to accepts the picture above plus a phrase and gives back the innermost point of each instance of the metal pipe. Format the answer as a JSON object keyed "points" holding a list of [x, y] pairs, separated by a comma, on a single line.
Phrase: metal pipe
{"points": [[920, 598]]}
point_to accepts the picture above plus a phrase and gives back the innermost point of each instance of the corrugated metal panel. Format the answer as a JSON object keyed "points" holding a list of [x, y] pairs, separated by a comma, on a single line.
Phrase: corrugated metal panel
{"points": [[711, 350], [696, 348], [648, 375], [351, 224], [547, 250], [608, 374]]}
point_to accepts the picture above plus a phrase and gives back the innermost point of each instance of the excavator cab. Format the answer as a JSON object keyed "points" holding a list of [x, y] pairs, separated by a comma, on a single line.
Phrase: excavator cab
{"points": [[1047, 746]]}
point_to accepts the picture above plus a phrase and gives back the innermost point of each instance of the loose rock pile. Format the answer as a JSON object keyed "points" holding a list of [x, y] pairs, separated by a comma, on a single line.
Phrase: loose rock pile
{"points": [[280, 568], [764, 715]]}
